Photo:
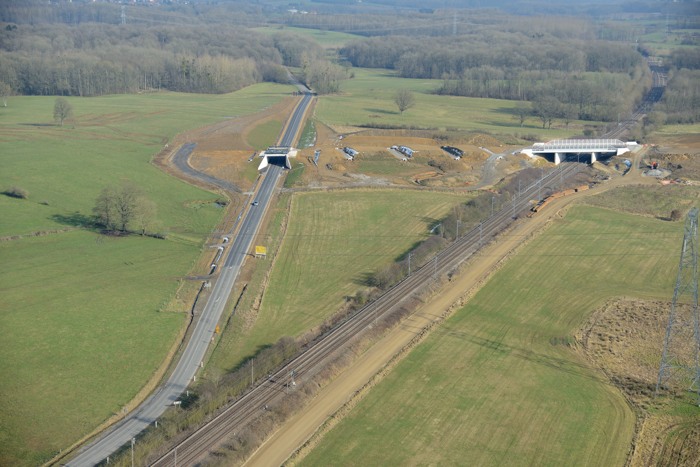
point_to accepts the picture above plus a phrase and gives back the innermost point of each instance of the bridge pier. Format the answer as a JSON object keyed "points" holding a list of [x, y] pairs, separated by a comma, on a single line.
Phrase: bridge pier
{"points": [[557, 158], [593, 157]]}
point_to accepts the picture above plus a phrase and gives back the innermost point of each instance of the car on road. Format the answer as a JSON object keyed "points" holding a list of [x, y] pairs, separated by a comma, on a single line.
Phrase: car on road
{"points": [[255, 203]]}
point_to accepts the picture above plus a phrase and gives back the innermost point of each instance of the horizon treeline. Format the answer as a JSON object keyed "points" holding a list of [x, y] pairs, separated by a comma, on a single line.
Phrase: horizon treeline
{"points": [[574, 67], [96, 59]]}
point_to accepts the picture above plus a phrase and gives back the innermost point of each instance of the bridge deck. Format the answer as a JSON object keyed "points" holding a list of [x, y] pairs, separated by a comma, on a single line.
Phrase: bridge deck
{"points": [[579, 145]]}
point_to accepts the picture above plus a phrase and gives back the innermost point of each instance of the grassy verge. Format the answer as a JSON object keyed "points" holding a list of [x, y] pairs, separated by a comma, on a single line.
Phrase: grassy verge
{"points": [[294, 175], [80, 321], [265, 134], [308, 136], [498, 383]]}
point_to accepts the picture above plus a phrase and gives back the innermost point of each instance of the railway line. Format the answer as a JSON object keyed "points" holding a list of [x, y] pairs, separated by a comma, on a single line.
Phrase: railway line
{"points": [[305, 365], [249, 406], [652, 97]]}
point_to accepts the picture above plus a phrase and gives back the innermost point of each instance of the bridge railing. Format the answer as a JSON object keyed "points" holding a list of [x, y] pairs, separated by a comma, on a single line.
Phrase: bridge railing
{"points": [[579, 144]]}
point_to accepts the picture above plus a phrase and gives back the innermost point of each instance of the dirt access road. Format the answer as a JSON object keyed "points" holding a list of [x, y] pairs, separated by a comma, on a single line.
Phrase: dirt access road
{"points": [[368, 368]]}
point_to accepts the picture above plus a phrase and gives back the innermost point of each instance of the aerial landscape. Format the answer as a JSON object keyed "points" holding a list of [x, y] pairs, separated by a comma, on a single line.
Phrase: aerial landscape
{"points": [[325, 232]]}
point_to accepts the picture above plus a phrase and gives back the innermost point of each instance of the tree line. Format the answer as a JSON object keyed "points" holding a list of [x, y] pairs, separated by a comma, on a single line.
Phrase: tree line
{"points": [[681, 100], [414, 57], [91, 59], [569, 79]]}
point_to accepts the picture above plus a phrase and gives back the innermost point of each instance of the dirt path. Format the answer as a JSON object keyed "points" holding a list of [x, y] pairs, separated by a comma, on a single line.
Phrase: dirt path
{"points": [[301, 427]]}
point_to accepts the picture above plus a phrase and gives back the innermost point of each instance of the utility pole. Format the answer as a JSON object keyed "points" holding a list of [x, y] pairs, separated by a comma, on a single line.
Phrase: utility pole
{"points": [[252, 364], [123, 15], [133, 441], [457, 236], [481, 224], [493, 200], [409, 263]]}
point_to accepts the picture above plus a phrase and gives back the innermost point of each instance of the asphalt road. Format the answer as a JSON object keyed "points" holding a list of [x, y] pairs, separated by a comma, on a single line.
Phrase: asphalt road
{"points": [[180, 160], [153, 407]]}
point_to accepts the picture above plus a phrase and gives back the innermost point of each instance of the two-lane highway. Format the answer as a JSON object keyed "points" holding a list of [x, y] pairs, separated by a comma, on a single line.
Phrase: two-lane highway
{"points": [[192, 357]]}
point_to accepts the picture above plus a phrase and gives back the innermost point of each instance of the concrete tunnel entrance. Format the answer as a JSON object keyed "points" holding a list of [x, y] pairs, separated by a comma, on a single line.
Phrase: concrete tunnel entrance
{"points": [[278, 156]]}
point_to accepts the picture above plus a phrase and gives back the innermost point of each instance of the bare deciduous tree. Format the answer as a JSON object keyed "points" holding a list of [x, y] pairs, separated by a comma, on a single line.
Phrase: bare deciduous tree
{"points": [[5, 92], [522, 111], [144, 215], [62, 110], [124, 207], [404, 100]]}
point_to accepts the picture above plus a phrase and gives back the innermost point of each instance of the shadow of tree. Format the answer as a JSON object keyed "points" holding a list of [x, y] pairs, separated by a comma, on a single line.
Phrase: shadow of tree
{"points": [[382, 111], [366, 279], [76, 219]]}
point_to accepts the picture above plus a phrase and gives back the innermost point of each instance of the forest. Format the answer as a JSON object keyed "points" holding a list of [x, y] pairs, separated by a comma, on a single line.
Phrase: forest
{"points": [[584, 79], [577, 67], [96, 59]]}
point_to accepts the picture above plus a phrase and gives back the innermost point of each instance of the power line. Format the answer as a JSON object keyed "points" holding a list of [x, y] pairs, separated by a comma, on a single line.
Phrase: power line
{"points": [[680, 360]]}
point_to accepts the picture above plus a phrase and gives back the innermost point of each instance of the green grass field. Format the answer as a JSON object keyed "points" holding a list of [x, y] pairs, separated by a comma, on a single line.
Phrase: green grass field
{"points": [[326, 39], [80, 327], [368, 99], [265, 135], [495, 385], [333, 240], [679, 130]]}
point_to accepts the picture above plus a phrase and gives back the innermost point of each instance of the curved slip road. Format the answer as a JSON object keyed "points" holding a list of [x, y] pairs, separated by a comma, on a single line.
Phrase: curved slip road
{"points": [[191, 360]]}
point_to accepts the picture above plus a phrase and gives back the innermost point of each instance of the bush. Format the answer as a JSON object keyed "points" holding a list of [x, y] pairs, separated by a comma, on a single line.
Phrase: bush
{"points": [[17, 192]]}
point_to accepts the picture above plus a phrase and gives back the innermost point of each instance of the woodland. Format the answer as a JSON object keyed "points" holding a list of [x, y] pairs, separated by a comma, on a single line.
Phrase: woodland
{"points": [[583, 67]]}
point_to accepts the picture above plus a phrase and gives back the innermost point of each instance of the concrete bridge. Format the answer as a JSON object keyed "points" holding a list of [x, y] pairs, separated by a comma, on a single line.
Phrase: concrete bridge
{"points": [[595, 148]]}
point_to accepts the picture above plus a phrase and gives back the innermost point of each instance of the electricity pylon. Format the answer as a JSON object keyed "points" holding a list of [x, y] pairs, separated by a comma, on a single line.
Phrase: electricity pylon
{"points": [[679, 360]]}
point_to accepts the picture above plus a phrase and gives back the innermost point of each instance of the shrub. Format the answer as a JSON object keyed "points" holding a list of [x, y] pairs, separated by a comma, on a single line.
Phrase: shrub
{"points": [[17, 192]]}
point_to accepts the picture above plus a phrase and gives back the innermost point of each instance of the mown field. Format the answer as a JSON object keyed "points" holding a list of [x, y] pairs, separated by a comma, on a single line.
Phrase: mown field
{"points": [[326, 39], [333, 241], [368, 99], [80, 327], [498, 383]]}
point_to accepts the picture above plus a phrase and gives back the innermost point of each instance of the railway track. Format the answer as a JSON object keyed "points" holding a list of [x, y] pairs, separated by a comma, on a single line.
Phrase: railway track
{"points": [[305, 365], [651, 98]]}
